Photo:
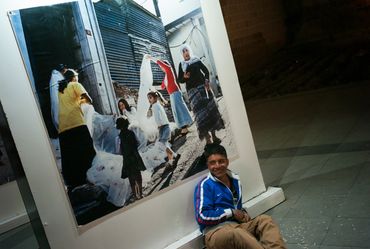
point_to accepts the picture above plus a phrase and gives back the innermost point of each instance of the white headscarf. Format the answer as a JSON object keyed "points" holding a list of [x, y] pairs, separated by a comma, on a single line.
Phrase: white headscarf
{"points": [[193, 59]]}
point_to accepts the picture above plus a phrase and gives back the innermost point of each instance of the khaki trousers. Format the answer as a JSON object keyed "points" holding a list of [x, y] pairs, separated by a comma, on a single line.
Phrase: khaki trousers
{"points": [[259, 233]]}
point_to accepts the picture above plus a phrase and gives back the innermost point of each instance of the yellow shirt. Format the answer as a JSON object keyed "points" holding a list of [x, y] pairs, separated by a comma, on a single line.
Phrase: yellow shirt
{"points": [[70, 113]]}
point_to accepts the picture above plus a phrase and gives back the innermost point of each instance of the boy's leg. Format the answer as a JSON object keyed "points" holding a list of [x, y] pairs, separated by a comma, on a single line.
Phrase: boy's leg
{"points": [[231, 236], [267, 231]]}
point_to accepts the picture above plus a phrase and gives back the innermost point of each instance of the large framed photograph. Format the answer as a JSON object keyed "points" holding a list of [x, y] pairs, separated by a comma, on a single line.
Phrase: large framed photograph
{"points": [[129, 98]]}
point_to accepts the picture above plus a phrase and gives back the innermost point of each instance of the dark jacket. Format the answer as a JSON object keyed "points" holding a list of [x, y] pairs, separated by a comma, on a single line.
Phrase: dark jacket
{"points": [[198, 74]]}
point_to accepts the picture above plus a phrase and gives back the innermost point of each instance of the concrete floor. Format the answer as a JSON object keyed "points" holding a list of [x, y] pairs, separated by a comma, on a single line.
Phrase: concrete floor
{"points": [[21, 237], [316, 146]]}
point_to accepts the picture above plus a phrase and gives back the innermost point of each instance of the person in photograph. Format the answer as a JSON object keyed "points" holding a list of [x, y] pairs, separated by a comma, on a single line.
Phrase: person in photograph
{"points": [[76, 144], [180, 111], [126, 110], [56, 76], [129, 112], [219, 212], [162, 122], [195, 75], [132, 162]]}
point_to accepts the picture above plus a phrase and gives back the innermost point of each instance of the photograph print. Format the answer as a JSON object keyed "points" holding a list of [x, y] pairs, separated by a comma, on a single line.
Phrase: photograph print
{"points": [[129, 97]]}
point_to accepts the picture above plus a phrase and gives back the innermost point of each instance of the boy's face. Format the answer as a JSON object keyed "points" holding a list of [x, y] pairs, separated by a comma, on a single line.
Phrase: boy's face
{"points": [[217, 165]]}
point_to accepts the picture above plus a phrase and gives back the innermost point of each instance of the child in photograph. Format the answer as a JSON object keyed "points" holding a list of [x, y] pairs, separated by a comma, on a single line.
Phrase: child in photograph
{"points": [[125, 110], [180, 111], [132, 162], [163, 126]]}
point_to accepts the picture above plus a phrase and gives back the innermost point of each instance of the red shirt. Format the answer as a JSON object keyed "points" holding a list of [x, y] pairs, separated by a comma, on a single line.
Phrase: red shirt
{"points": [[169, 81]]}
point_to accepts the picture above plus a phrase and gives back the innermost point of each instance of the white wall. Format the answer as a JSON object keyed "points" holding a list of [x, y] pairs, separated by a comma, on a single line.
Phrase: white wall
{"points": [[159, 221]]}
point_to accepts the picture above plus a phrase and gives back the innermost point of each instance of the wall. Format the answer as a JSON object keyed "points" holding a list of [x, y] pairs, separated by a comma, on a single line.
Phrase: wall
{"points": [[336, 21], [255, 30]]}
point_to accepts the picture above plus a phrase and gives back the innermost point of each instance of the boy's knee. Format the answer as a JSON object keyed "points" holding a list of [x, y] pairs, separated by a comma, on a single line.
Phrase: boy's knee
{"points": [[225, 235], [219, 239], [264, 220], [265, 217]]}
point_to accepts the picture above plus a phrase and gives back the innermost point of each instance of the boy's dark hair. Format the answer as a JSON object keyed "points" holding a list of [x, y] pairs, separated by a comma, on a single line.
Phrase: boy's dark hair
{"points": [[212, 149], [122, 123]]}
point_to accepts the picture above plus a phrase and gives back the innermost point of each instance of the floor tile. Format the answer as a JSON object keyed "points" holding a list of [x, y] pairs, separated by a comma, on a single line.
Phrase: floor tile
{"points": [[350, 162], [301, 246], [364, 175], [337, 247], [362, 183], [303, 167], [355, 206], [349, 232], [332, 186], [21, 237], [282, 209], [274, 169], [361, 129], [304, 231], [294, 190], [316, 207], [333, 132]]}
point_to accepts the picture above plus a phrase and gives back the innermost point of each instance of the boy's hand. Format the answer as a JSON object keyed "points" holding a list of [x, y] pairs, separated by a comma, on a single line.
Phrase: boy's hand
{"points": [[241, 216]]}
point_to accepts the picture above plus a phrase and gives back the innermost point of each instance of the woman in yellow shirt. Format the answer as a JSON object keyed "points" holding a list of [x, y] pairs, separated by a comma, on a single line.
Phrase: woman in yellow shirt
{"points": [[76, 144]]}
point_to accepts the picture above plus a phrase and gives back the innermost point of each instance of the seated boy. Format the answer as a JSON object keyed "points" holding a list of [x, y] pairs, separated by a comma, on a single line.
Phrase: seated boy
{"points": [[219, 213]]}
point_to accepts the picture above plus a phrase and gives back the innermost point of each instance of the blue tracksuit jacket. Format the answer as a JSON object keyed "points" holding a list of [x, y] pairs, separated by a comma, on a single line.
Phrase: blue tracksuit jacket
{"points": [[213, 200]]}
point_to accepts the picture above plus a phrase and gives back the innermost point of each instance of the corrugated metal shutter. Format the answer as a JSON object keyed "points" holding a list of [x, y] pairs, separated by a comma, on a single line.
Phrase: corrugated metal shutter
{"points": [[117, 44], [129, 32], [148, 36], [145, 25]]}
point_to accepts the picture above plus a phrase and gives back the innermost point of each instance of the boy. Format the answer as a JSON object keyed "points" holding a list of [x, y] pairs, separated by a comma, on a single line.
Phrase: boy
{"points": [[219, 213]]}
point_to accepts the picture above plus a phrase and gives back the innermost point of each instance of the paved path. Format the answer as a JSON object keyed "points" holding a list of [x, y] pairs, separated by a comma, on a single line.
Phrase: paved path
{"points": [[316, 146]]}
